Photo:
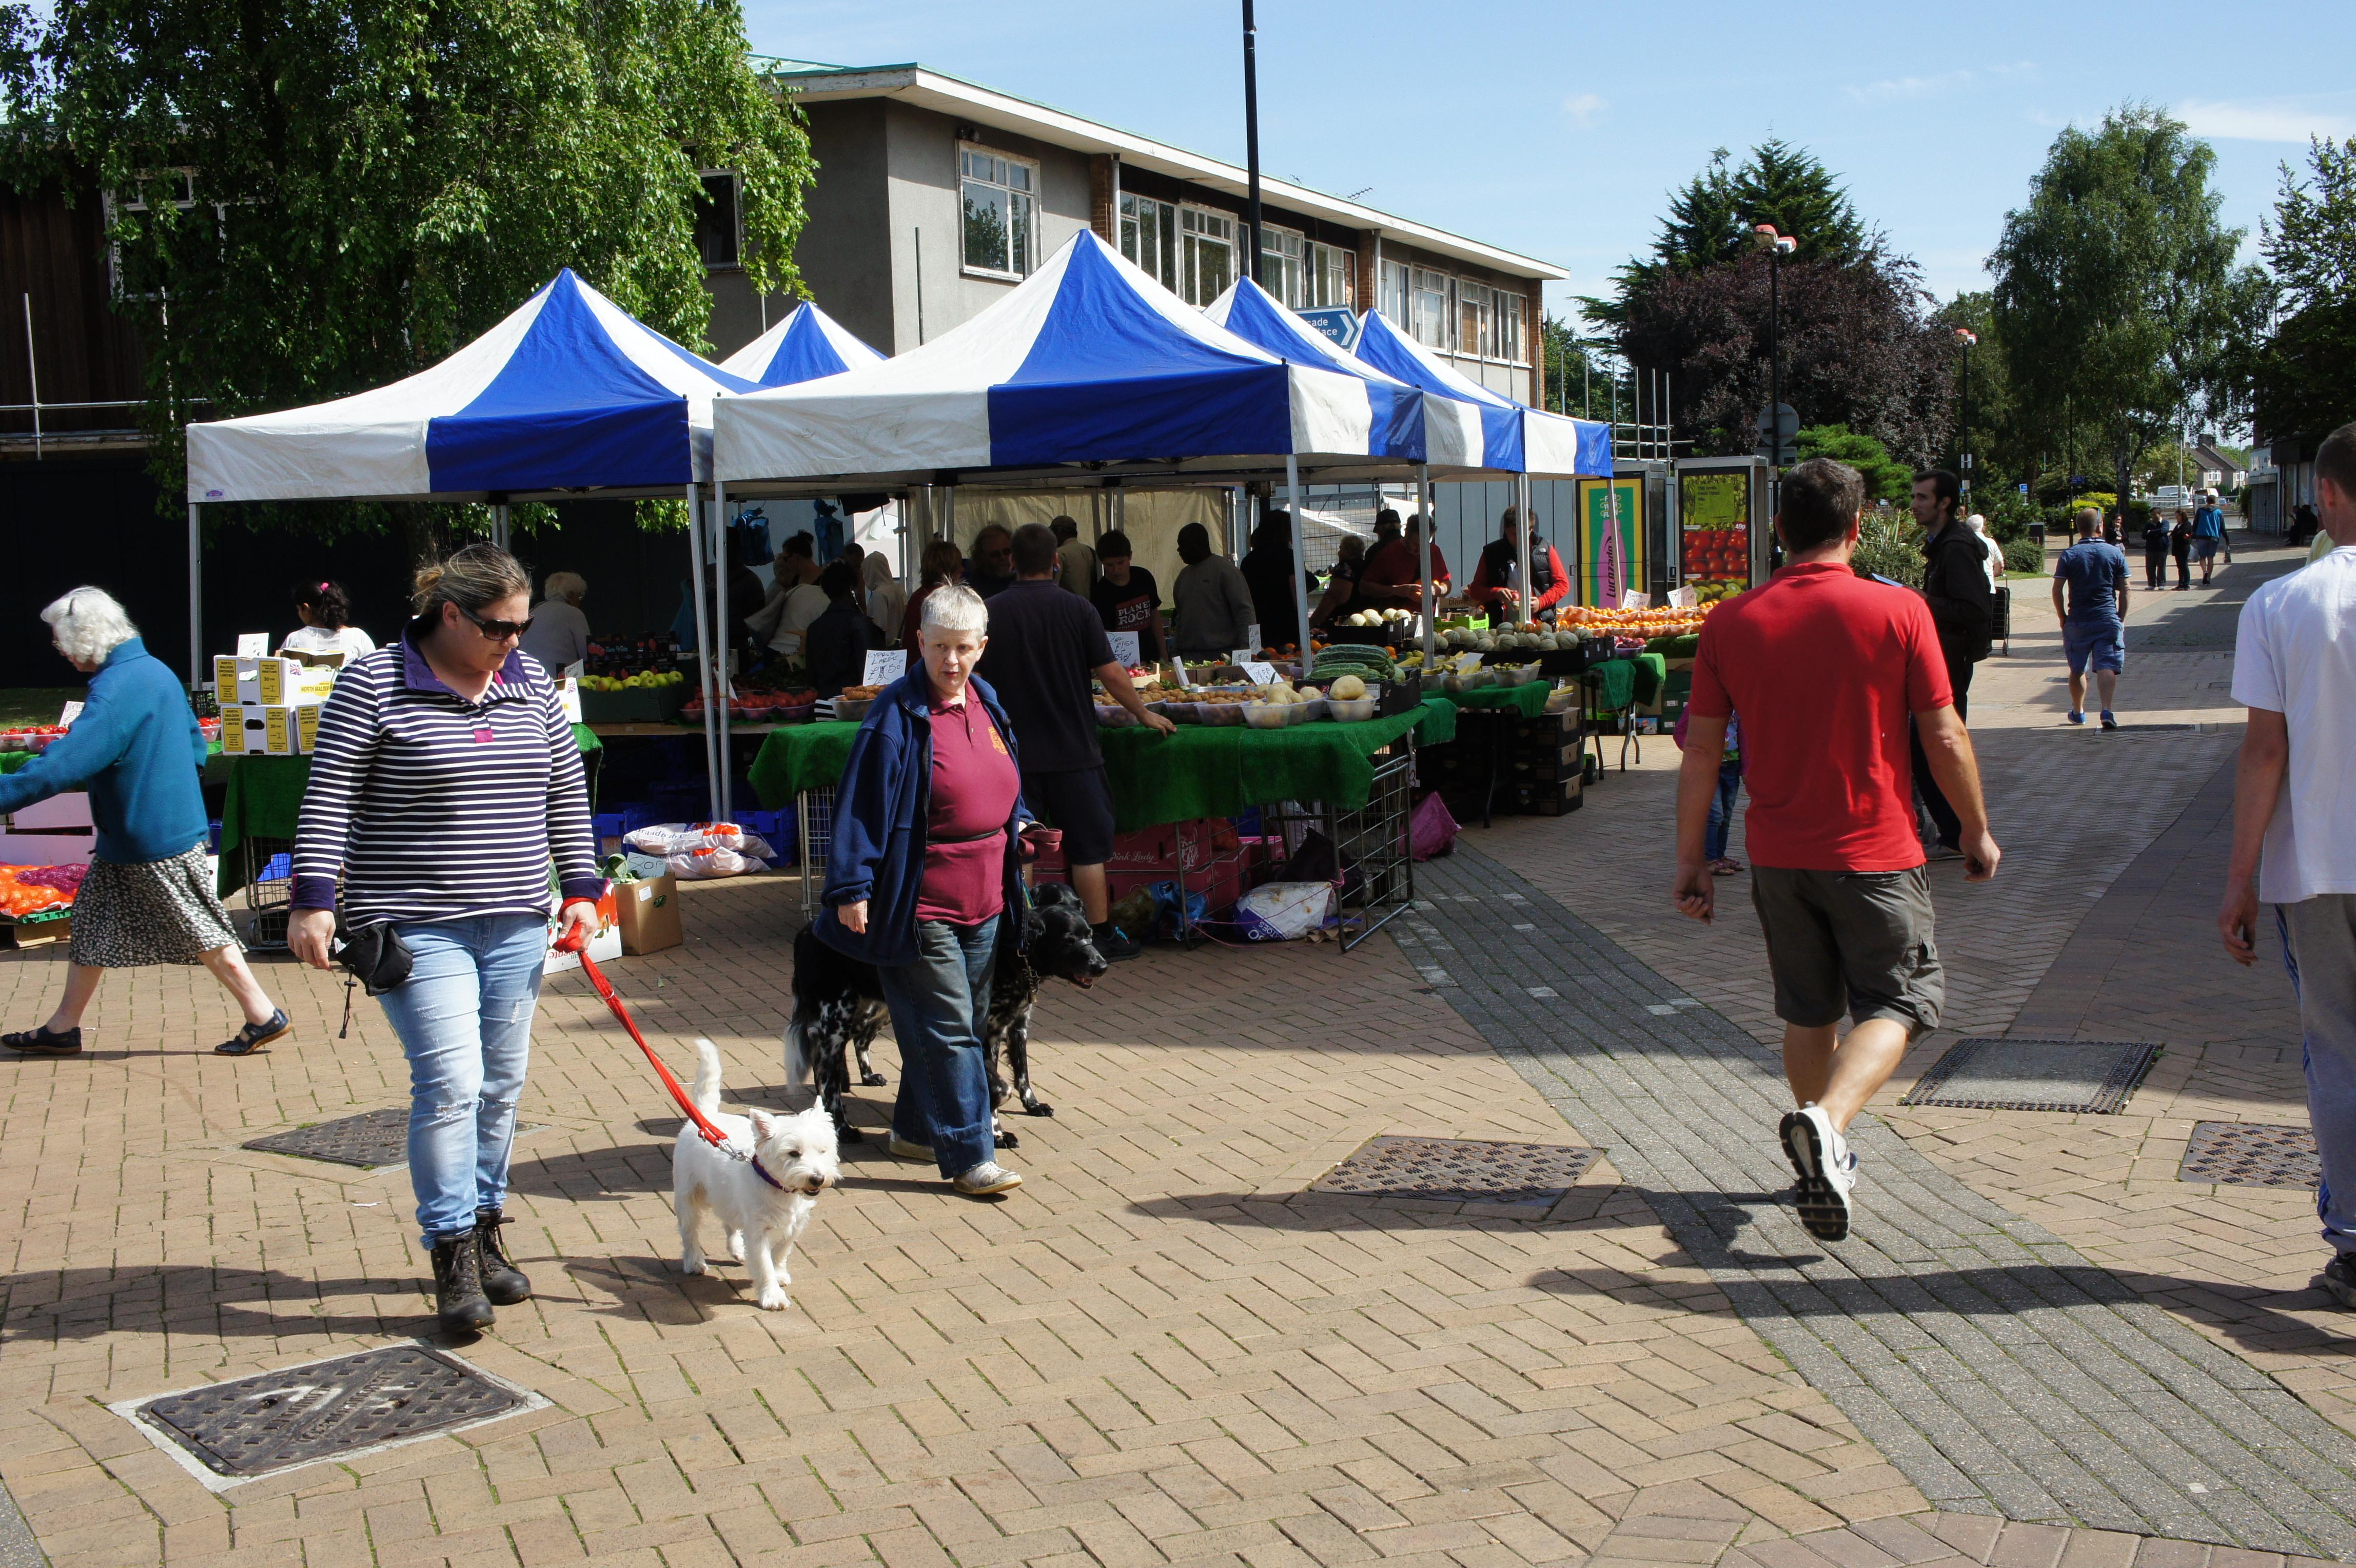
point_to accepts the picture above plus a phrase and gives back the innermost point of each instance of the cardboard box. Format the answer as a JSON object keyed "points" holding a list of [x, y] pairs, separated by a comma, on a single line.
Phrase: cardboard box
{"points": [[270, 681], [604, 946], [649, 915], [254, 729]]}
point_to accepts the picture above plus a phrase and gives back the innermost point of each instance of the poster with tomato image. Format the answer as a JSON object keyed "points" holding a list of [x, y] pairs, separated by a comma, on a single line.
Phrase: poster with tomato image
{"points": [[1714, 516], [1610, 540]]}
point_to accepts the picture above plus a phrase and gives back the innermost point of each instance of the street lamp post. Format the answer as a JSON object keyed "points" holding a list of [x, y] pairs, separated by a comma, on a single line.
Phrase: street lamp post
{"points": [[1777, 247], [1252, 134], [1967, 338]]}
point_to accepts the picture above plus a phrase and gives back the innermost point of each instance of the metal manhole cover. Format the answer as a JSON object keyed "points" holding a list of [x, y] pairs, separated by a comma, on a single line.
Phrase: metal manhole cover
{"points": [[368, 1140], [2243, 1154], [1460, 1170], [2094, 1076], [325, 1410]]}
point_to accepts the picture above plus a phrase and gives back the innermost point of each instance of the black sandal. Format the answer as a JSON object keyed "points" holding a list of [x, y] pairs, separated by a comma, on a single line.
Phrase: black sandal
{"points": [[254, 1039], [44, 1041]]}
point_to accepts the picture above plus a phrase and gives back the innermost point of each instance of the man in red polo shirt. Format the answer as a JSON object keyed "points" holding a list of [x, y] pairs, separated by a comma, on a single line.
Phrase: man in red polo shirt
{"points": [[1824, 668]]}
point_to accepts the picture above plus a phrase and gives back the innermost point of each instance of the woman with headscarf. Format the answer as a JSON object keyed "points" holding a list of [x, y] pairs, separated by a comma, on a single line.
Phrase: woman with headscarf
{"points": [[1211, 612], [1267, 570], [887, 600], [148, 895]]}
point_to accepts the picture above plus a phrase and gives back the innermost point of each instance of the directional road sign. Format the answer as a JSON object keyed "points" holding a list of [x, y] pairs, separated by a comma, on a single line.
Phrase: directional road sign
{"points": [[1337, 322]]}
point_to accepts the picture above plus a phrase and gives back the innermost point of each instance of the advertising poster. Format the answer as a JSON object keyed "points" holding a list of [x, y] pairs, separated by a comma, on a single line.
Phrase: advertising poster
{"points": [[1714, 511], [1611, 551]]}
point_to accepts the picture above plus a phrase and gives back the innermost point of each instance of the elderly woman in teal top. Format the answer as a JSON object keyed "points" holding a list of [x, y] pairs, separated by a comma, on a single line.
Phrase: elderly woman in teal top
{"points": [[148, 897]]}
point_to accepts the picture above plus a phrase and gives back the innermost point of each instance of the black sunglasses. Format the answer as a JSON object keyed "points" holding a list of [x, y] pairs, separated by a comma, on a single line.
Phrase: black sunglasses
{"points": [[497, 630]]}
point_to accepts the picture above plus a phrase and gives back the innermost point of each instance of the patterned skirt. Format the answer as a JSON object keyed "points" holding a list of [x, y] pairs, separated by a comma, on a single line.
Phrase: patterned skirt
{"points": [[159, 911]]}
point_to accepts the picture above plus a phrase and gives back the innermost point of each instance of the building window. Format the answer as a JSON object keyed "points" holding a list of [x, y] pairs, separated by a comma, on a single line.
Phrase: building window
{"points": [[718, 236], [1476, 320], [1149, 236], [1509, 327], [1207, 254], [1428, 315], [1001, 198], [1327, 275], [1393, 300], [1280, 264]]}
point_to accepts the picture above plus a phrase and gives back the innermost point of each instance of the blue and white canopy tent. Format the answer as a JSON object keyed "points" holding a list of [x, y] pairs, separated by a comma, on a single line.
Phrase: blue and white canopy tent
{"points": [[568, 394], [1089, 373], [808, 344], [1516, 438]]}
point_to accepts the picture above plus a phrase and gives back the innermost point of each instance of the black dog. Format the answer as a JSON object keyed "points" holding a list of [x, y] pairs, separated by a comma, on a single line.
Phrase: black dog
{"points": [[839, 1007]]}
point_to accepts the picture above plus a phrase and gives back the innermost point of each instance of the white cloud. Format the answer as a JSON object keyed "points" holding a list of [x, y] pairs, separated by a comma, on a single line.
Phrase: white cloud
{"points": [[1585, 107], [1896, 88], [2263, 121]]}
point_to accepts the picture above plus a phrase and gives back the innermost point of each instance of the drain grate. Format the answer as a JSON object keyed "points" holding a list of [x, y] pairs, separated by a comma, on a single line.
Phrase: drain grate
{"points": [[2242, 1154], [1459, 1170], [2087, 1076], [326, 1410], [372, 1138]]}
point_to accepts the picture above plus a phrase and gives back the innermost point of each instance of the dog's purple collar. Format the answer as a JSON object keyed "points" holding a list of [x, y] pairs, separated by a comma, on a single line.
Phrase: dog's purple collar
{"points": [[753, 1160]]}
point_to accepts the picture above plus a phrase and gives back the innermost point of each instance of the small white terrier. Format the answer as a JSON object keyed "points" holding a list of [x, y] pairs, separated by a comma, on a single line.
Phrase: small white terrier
{"points": [[763, 1218]]}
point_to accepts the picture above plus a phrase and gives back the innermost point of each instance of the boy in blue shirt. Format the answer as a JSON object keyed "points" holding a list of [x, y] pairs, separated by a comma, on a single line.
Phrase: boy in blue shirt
{"points": [[2208, 535], [2093, 622]]}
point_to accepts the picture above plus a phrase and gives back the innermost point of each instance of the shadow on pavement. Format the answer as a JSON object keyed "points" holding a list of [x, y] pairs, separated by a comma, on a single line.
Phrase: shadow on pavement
{"points": [[57, 1306]]}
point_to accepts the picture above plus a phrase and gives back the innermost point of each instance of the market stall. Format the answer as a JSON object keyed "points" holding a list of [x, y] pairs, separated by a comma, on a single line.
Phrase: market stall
{"points": [[808, 344], [565, 397]]}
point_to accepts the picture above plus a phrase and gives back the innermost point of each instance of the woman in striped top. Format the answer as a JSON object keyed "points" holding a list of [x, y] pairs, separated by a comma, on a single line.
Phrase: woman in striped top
{"points": [[446, 782]]}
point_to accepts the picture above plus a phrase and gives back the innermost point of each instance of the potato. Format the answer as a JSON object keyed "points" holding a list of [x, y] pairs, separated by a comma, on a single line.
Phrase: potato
{"points": [[1349, 689]]}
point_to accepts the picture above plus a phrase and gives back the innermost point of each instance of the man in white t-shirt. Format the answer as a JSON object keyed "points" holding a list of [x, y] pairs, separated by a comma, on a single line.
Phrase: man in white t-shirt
{"points": [[2295, 825]]}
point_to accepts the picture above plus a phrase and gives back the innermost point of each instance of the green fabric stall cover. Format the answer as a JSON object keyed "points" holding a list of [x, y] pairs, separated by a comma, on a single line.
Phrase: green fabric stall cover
{"points": [[1616, 683], [1201, 770], [11, 761], [1652, 672], [266, 800], [1528, 699]]}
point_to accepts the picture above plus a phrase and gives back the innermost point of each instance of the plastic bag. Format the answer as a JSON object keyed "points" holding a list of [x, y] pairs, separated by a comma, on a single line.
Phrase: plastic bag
{"points": [[1284, 911], [697, 864], [1431, 830], [1165, 909], [673, 839]]}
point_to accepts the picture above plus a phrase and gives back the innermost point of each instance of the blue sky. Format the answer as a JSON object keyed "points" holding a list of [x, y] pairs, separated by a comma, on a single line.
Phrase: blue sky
{"points": [[1556, 129]]}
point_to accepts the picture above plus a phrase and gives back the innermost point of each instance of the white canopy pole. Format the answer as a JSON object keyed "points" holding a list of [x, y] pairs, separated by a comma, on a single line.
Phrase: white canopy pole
{"points": [[1300, 560], [703, 648], [1423, 507], [196, 598], [1528, 585], [726, 776]]}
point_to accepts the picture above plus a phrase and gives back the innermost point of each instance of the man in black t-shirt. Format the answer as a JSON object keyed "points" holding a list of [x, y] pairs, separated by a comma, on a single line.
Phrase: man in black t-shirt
{"points": [[1044, 644], [1126, 598]]}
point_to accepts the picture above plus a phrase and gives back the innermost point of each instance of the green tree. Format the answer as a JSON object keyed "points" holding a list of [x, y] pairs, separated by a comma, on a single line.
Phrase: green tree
{"points": [[310, 200], [1576, 381], [2116, 290], [2301, 379], [1886, 479]]}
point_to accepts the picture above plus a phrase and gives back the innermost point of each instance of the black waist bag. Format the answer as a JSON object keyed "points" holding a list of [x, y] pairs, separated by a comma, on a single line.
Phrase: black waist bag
{"points": [[373, 955]]}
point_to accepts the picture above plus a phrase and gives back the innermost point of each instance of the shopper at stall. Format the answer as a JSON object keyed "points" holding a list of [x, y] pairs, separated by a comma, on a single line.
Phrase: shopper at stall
{"points": [[559, 636], [1494, 581], [942, 567], [1210, 605], [1045, 646], [1995, 563], [837, 643], [445, 783], [1340, 598], [1268, 573], [1127, 598], [886, 599], [2093, 620], [326, 612], [923, 871], [1824, 668], [1963, 606], [1076, 563], [148, 897], [991, 571], [1394, 574], [795, 561]]}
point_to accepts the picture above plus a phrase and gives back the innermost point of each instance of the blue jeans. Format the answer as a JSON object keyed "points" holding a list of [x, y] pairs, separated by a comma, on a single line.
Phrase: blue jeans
{"points": [[937, 1007], [464, 1021], [1721, 810], [2318, 938]]}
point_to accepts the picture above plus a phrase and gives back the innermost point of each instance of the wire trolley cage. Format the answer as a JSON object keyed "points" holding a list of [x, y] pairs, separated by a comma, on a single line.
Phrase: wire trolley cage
{"points": [[268, 889], [1372, 840], [814, 813]]}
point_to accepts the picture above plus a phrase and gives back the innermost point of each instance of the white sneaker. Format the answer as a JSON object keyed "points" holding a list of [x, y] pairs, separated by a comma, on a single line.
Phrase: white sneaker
{"points": [[986, 1179], [902, 1149], [1826, 1168]]}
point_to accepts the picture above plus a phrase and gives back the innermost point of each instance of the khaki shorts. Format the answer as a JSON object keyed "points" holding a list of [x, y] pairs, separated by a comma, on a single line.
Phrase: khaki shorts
{"points": [[1850, 941]]}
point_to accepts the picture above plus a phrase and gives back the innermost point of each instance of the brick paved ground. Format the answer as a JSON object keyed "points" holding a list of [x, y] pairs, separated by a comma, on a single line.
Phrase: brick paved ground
{"points": [[1161, 1349]]}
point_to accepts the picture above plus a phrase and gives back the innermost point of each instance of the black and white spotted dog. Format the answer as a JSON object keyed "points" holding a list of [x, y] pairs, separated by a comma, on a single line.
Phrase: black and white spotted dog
{"points": [[839, 1007]]}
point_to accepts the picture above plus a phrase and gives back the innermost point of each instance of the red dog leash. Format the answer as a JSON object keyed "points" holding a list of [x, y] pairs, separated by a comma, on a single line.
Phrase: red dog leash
{"points": [[576, 940]]}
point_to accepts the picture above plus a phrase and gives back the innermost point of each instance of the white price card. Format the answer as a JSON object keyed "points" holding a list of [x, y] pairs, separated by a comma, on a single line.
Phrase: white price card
{"points": [[1240, 657], [1258, 674], [254, 645], [1683, 598], [72, 712], [1125, 648], [1635, 599], [885, 665], [1251, 635]]}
